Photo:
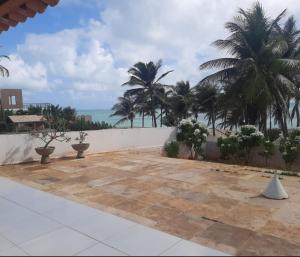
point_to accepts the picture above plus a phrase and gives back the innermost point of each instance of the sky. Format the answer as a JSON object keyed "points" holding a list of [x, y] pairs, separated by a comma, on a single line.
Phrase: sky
{"points": [[78, 52]]}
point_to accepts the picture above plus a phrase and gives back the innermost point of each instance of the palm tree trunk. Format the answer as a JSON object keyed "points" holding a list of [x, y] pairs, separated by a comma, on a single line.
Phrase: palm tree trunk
{"points": [[297, 113], [143, 119], [153, 111], [161, 116], [270, 117], [131, 123], [283, 125], [213, 122]]}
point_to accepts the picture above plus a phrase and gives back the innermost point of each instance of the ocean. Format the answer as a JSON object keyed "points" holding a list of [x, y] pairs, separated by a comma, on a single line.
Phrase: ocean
{"points": [[104, 115]]}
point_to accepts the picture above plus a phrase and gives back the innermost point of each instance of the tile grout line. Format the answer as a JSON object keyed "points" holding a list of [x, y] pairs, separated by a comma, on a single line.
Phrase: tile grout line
{"points": [[170, 247]]}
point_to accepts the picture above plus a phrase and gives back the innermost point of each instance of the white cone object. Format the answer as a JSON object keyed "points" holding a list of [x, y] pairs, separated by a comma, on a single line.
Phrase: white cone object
{"points": [[275, 189]]}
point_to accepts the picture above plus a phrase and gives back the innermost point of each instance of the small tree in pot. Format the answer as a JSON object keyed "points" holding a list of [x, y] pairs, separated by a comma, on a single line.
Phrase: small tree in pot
{"points": [[81, 146], [47, 136]]}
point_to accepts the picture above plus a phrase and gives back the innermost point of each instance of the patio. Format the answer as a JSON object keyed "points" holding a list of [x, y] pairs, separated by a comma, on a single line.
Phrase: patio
{"points": [[212, 204]]}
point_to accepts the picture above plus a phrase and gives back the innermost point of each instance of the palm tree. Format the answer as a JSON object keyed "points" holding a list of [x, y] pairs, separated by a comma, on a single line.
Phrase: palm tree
{"points": [[291, 35], [258, 71], [144, 76], [207, 98], [4, 72], [125, 109], [183, 98]]}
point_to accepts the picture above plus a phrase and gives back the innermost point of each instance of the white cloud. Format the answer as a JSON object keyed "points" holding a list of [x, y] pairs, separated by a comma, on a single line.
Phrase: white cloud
{"points": [[93, 59], [29, 77]]}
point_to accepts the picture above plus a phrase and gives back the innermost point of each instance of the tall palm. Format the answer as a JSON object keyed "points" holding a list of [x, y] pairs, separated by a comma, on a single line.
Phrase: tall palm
{"points": [[125, 109], [291, 35], [4, 72], [257, 70], [183, 97], [145, 77], [207, 97]]}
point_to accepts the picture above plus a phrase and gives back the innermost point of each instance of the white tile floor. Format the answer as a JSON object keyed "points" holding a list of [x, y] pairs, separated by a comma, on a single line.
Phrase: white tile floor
{"points": [[35, 223]]}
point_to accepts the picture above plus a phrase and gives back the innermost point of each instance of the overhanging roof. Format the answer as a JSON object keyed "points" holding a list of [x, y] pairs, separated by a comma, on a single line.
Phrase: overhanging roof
{"points": [[14, 11], [26, 118]]}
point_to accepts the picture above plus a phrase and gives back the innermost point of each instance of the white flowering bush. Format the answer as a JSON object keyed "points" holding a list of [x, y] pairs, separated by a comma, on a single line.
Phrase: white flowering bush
{"points": [[229, 146], [290, 147], [248, 138], [268, 150], [241, 143], [193, 134]]}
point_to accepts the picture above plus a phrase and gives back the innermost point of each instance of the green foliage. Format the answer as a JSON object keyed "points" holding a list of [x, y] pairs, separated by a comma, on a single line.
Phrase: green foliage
{"points": [[172, 149], [193, 134], [268, 150], [241, 143], [248, 138], [35, 110], [125, 109], [148, 87], [229, 147], [290, 147], [262, 69], [79, 125], [273, 134]]}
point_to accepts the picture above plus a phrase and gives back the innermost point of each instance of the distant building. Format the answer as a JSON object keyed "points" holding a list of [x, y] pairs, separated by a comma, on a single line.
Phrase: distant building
{"points": [[22, 123], [86, 118], [11, 99]]}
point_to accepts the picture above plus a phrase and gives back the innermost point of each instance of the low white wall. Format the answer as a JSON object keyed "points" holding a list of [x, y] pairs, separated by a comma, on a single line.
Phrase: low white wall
{"points": [[19, 148]]}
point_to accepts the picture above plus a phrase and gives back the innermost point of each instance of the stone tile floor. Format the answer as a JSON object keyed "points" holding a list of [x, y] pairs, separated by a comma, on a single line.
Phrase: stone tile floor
{"points": [[66, 228], [213, 204]]}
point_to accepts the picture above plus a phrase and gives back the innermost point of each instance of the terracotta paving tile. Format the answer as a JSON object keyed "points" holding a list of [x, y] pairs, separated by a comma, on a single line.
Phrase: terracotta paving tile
{"points": [[259, 245], [131, 206], [106, 199], [184, 227], [153, 198], [289, 214], [159, 213], [213, 209], [215, 204], [283, 231], [223, 237], [180, 204], [245, 216]]}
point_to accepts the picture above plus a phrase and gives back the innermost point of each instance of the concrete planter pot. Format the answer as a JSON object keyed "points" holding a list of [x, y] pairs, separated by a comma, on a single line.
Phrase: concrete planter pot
{"points": [[80, 148], [45, 153]]}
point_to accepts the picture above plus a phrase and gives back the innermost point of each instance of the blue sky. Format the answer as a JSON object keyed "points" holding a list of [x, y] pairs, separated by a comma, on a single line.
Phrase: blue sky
{"points": [[78, 52]]}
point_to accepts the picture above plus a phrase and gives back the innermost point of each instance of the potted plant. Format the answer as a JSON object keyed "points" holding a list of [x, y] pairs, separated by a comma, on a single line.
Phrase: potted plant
{"points": [[47, 136], [81, 147]]}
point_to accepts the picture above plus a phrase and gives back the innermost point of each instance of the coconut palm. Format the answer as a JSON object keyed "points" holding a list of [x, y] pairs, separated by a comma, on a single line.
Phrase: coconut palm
{"points": [[125, 109], [4, 72], [258, 71], [183, 97], [207, 96], [145, 77], [291, 35]]}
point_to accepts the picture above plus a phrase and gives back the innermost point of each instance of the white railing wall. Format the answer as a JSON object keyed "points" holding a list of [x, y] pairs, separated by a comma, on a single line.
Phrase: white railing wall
{"points": [[18, 148]]}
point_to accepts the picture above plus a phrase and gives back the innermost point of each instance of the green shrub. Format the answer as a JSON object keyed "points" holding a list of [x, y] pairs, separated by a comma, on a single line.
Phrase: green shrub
{"points": [[193, 134], [229, 147], [273, 134], [268, 150], [290, 147], [79, 125], [172, 149], [248, 138]]}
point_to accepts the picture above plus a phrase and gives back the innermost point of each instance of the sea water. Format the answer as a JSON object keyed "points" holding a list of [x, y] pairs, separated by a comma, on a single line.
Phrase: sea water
{"points": [[104, 115]]}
